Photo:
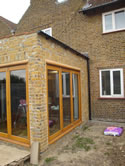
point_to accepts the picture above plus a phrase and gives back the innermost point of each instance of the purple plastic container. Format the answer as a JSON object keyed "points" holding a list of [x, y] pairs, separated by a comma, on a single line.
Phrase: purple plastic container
{"points": [[115, 131]]}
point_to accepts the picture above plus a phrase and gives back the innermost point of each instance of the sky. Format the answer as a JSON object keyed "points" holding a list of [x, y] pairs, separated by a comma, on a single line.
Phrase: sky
{"points": [[13, 10]]}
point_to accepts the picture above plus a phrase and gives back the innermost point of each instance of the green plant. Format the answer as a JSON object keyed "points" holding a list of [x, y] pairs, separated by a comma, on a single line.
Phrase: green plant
{"points": [[75, 137], [106, 153], [83, 143], [85, 127], [66, 147], [50, 159], [108, 143]]}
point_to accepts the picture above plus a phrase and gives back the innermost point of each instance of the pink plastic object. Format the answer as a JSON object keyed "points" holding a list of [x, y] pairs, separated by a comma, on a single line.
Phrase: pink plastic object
{"points": [[115, 131]]}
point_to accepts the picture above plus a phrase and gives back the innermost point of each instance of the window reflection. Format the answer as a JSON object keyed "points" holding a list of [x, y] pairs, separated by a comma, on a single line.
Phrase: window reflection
{"points": [[18, 103], [66, 99], [3, 114], [53, 101], [75, 97]]}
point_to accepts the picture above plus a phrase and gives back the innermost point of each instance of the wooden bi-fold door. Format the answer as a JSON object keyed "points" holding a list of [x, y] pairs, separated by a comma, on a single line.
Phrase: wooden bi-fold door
{"points": [[14, 115], [64, 110]]}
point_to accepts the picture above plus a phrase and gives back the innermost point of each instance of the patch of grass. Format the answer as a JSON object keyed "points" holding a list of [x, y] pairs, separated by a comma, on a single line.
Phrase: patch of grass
{"points": [[95, 147], [83, 143], [66, 147], [85, 127], [75, 137], [50, 159], [108, 143], [106, 153]]}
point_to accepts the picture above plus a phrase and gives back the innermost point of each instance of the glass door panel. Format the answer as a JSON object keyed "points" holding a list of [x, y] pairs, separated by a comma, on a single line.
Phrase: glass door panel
{"points": [[75, 97], [66, 98], [18, 103], [63, 100], [3, 113], [53, 101]]}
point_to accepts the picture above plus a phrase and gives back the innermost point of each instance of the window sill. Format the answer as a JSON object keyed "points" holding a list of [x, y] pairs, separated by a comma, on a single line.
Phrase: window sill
{"points": [[111, 98], [114, 31]]}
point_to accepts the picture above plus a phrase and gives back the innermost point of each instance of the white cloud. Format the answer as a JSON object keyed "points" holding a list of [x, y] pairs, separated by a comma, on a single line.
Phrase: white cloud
{"points": [[13, 9]]}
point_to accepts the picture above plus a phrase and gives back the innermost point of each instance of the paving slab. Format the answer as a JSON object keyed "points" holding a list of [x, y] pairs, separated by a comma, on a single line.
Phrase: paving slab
{"points": [[11, 153]]}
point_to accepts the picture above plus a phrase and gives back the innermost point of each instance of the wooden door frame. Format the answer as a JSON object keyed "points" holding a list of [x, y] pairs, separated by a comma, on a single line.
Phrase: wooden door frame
{"points": [[79, 93], [73, 124], [48, 67], [9, 135]]}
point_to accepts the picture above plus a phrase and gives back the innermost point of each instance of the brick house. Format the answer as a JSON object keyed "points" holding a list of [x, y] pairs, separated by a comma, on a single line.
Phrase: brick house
{"points": [[81, 25], [6, 27], [78, 27]]}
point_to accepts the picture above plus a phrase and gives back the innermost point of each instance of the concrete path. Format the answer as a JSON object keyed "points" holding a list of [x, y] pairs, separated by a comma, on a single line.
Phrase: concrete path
{"points": [[10, 153]]}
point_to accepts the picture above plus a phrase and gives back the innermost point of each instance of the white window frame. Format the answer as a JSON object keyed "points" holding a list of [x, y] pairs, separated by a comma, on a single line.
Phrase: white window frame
{"points": [[111, 83], [113, 21], [50, 29]]}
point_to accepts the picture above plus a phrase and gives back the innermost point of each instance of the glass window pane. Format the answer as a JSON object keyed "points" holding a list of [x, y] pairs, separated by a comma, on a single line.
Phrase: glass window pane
{"points": [[18, 103], [75, 97], [117, 83], [63, 83], [53, 101], [67, 84], [106, 89], [108, 22], [3, 113], [120, 19], [66, 100]]}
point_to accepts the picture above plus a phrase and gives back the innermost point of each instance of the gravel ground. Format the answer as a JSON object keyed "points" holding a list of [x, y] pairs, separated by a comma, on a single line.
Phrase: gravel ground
{"points": [[87, 146]]}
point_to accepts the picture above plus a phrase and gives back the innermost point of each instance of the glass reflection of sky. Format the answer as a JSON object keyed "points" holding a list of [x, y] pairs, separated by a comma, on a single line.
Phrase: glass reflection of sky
{"points": [[19, 73], [2, 75]]}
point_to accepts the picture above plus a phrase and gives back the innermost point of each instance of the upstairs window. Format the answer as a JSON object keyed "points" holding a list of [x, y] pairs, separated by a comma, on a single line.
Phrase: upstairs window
{"points": [[114, 21], [111, 83], [48, 31]]}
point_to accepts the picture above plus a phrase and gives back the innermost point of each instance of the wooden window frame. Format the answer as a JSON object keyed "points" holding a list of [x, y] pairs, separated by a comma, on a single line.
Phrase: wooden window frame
{"points": [[8, 136], [74, 123]]}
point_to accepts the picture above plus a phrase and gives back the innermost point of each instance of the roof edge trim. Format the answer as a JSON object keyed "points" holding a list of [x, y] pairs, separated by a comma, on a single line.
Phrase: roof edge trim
{"points": [[85, 56], [98, 6]]}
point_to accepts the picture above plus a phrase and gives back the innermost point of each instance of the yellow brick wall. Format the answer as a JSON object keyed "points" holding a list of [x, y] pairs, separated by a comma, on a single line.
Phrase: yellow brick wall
{"points": [[36, 49]]}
